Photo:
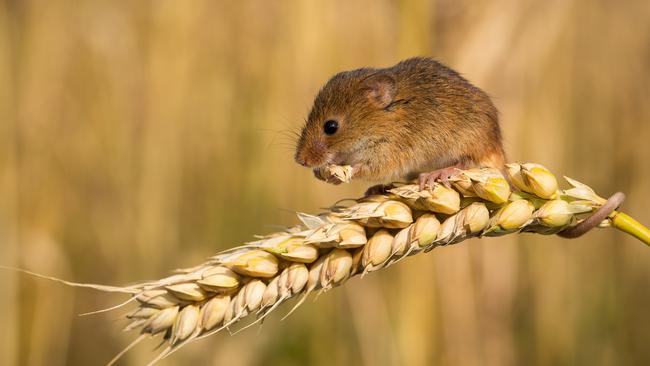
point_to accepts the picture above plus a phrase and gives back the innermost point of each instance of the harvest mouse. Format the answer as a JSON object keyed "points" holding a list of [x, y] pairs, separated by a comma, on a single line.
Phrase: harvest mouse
{"points": [[417, 119]]}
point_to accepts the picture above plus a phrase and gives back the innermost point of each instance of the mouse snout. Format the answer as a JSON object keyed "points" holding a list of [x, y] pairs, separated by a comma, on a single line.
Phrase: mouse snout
{"points": [[312, 154], [300, 159]]}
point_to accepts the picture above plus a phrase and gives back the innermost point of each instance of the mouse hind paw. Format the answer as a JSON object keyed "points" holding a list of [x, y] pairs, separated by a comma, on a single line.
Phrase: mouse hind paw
{"points": [[426, 180]]}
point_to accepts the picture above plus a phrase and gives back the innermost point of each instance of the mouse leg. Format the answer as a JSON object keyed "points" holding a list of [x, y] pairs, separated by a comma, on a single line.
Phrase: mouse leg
{"points": [[426, 180], [378, 189]]}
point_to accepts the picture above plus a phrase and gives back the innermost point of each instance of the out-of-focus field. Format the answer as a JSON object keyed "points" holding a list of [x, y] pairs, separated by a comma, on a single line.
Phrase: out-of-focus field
{"points": [[137, 137]]}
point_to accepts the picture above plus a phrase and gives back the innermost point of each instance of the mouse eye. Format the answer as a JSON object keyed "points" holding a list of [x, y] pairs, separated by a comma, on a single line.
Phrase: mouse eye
{"points": [[330, 127]]}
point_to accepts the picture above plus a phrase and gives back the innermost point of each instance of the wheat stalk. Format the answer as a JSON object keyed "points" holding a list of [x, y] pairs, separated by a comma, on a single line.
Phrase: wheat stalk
{"points": [[366, 235]]}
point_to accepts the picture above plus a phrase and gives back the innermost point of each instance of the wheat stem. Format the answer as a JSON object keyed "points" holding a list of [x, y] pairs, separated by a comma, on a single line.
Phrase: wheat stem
{"points": [[628, 225]]}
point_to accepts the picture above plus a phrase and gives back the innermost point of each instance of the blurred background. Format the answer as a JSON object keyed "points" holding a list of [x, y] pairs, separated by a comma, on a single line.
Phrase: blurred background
{"points": [[141, 136]]}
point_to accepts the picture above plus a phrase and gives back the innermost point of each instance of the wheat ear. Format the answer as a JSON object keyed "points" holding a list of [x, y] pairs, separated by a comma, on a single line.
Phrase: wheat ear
{"points": [[368, 234]]}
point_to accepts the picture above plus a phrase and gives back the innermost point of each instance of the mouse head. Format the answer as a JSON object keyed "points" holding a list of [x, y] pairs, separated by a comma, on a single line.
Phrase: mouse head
{"points": [[350, 120]]}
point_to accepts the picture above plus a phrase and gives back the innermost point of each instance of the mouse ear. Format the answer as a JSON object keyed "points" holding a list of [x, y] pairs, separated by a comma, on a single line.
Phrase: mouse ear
{"points": [[380, 89]]}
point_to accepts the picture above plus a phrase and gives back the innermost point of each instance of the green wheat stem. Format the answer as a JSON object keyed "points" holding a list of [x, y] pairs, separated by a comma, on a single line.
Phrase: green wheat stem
{"points": [[629, 225]]}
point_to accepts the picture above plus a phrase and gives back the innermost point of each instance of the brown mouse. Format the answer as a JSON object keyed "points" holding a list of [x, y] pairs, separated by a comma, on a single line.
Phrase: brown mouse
{"points": [[418, 118]]}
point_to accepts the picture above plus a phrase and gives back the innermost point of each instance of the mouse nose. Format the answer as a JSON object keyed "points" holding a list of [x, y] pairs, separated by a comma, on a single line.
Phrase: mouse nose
{"points": [[301, 160], [312, 155]]}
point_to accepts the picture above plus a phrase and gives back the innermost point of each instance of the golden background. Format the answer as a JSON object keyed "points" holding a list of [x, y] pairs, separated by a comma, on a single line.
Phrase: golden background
{"points": [[137, 137]]}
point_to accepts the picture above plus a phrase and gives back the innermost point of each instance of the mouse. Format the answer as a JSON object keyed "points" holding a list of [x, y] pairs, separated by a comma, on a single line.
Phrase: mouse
{"points": [[418, 119]]}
